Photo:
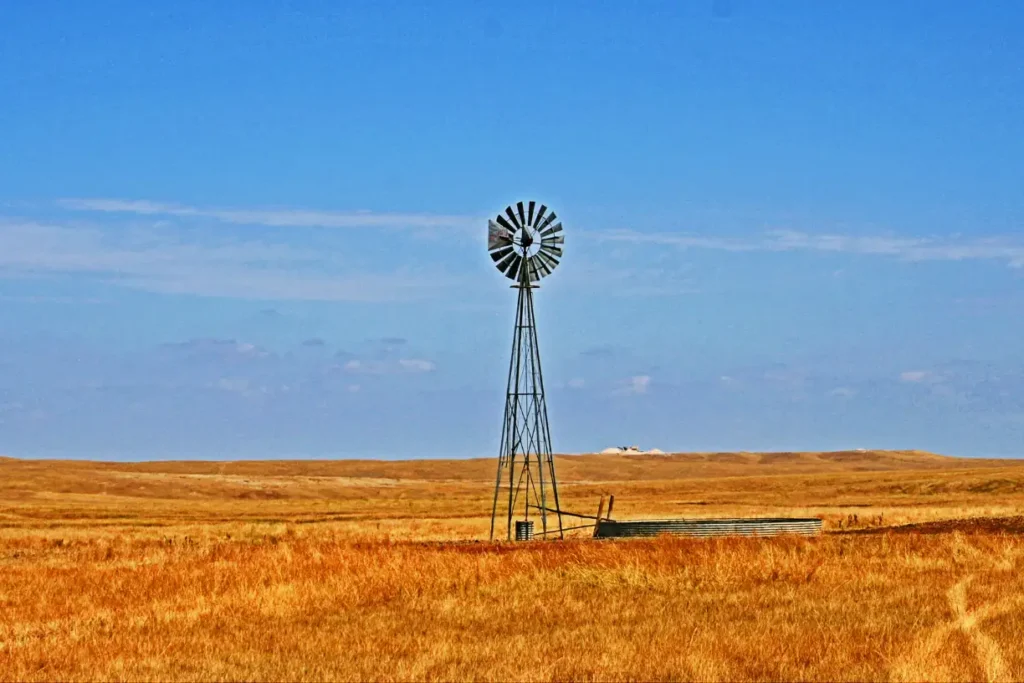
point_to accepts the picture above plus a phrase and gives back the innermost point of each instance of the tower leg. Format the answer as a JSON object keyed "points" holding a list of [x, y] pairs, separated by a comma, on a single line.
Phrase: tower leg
{"points": [[497, 489], [511, 490], [526, 435]]}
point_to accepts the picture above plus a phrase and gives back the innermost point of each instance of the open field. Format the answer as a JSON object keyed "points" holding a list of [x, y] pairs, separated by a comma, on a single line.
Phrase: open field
{"points": [[355, 570]]}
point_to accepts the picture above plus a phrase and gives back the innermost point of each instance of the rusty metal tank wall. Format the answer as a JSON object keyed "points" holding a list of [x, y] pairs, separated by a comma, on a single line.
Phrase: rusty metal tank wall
{"points": [[708, 527]]}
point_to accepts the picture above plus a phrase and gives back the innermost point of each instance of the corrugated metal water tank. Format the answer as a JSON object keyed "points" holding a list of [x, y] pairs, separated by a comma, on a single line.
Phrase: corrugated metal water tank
{"points": [[708, 527], [524, 531]]}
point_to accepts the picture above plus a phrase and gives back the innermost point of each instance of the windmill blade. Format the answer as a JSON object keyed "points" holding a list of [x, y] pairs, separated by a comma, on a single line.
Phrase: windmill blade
{"points": [[533, 270], [501, 253], [513, 271], [512, 217], [504, 264], [546, 248], [552, 230], [554, 239], [548, 258], [543, 267], [522, 213], [536, 269], [540, 215], [504, 223], [529, 213], [549, 262], [497, 236], [547, 221]]}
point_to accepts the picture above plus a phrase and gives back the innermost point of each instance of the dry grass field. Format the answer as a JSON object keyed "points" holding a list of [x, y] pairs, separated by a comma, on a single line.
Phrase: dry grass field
{"points": [[376, 570]]}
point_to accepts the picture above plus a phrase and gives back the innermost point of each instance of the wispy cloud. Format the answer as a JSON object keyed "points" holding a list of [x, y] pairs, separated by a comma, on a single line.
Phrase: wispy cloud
{"points": [[638, 384], [176, 253], [389, 367], [220, 349], [917, 376], [164, 261], [276, 217], [905, 248], [416, 365], [910, 249], [31, 299], [241, 386], [676, 240]]}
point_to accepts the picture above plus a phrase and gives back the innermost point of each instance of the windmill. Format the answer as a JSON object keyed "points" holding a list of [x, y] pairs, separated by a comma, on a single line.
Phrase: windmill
{"points": [[525, 243]]}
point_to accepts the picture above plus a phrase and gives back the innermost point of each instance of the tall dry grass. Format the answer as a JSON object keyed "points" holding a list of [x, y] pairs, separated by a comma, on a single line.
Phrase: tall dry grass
{"points": [[292, 571]]}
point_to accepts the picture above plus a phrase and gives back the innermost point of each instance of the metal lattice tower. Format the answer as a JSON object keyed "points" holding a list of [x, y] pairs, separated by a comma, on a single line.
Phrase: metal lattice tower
{"points": [[526, 244]]}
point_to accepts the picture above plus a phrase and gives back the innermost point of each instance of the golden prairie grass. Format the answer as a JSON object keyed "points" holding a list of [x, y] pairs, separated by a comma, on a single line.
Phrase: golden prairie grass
{"points": [[342, 571]]}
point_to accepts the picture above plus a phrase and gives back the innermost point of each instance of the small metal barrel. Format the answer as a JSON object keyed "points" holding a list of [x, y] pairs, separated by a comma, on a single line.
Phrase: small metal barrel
{"points": [[524, 531]]}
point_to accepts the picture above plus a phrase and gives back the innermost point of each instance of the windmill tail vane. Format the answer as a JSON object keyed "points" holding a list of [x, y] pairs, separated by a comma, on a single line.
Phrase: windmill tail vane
{"points": [[525, 243]]}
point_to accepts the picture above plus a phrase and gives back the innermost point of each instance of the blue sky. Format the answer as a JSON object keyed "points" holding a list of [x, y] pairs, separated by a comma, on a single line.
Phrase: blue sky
{"points": [[257, 229]]}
